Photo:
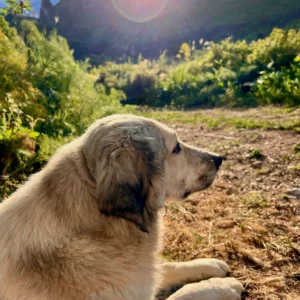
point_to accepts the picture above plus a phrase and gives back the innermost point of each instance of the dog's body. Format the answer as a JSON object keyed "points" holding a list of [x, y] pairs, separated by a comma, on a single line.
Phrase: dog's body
{"points": [[87, 226]]}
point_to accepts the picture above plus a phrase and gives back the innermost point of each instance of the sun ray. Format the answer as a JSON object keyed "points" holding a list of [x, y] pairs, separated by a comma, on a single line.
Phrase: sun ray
{"points": [[140, 11]]}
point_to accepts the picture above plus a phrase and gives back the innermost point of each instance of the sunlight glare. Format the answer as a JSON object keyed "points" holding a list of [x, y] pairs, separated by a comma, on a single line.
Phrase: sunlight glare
{"points": [[140, 11]]}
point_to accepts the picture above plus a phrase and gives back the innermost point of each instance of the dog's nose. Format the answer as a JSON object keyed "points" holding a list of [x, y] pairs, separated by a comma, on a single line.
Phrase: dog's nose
{"points": [[218, 161]]}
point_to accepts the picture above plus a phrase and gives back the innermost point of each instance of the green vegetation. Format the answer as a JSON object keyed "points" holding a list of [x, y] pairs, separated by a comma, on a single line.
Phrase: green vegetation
{"points": [[47, 98], [235, 74], [256, 153], [221, 117], [297, 149], [14, 7], [198, 240], [295, 168], [255, 200]]}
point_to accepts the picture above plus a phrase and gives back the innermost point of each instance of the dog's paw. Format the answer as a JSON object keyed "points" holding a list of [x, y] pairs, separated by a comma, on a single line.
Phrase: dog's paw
{"points": [[209, 268], [180, 273], [230, 283], [212, 289]]}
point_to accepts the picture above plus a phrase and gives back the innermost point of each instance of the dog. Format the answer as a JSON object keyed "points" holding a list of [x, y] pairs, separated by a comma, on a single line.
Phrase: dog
{"points": [[88, 225]]}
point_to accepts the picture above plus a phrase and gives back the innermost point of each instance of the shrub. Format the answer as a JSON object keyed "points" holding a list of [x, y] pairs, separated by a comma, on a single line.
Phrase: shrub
{"points": [[17, 143], [185, 52], [229, 73], [141, 89], [278, 49], [45, 95], [279, 86]]}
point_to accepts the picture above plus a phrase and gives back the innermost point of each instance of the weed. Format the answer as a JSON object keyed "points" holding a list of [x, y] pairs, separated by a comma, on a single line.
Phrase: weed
{"points": [[263, 171], [297, 149], [286, 158], [198, 240], [295, 168], [227, 166], [256, 153], [255, 200], [234, 143]]}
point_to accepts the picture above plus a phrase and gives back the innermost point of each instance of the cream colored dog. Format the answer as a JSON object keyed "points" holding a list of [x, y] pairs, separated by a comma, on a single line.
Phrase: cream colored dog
{"points": [[88, 227]]}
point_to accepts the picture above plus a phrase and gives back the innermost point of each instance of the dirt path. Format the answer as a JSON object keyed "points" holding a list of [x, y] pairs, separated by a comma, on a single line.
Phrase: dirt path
{"points": [[245, 218]]}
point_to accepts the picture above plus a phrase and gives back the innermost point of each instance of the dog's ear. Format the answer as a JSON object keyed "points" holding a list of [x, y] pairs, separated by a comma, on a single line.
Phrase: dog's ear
{"points": [[124, 180]]}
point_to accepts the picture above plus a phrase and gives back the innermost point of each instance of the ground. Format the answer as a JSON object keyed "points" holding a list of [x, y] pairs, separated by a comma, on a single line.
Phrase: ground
{"points": [[245, 218]]}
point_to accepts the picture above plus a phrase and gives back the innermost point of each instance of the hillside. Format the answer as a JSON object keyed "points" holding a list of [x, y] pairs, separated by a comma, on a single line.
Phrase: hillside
{"points": [[97, 28]]}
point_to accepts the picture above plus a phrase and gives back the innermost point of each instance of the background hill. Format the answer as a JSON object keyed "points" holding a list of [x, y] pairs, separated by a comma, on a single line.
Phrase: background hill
{"points": [[97, 28]]}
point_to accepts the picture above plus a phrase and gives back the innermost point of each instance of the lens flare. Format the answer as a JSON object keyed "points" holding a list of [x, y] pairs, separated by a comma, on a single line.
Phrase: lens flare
{"points": [[140, 11]]}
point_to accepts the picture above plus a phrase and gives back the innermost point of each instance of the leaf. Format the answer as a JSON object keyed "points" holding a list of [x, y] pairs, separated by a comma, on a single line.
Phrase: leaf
{"points": [[270, 64], [34, 134], [297, 58]]}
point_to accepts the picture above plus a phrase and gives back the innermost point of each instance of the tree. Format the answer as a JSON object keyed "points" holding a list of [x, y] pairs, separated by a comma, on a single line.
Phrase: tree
{"points": [[16, 7]]}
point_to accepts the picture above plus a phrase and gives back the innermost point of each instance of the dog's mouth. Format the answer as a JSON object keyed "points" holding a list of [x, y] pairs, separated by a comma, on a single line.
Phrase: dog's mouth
{"points": [[203, 183]]}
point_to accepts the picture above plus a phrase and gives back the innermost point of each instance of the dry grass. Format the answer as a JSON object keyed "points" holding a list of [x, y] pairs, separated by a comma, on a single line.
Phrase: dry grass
{"points": [[245, 218]]}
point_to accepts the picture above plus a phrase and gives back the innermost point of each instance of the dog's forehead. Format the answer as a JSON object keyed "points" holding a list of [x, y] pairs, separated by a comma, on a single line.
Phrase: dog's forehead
{"points": [[133, 122], [168, 133], [137, 120]]}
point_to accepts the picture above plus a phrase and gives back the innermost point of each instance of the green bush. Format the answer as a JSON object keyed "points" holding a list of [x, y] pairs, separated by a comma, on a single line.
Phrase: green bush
{"points": [[141, 89], [279, 87], [17, 143], [277, 50], [229, 73], [45, 95], [237, 74]]}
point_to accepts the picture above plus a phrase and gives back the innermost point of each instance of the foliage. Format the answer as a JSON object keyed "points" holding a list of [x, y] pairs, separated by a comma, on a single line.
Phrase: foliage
{"points": [[297, 149], [184, 52], [278, 49], [45, 96], [279, 86], [17, 141], [14, 7], [141, 88], [256, 153], [235, 74]]}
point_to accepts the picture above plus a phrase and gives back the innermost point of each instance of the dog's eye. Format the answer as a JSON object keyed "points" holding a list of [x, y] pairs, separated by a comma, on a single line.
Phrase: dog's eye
{"points": [[177, 149]]}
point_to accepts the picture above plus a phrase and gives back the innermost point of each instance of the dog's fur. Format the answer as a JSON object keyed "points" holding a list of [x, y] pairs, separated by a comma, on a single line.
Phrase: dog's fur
{"points": [[87, 226]]}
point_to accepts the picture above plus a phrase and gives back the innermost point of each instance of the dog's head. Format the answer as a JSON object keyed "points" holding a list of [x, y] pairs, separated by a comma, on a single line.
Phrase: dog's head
{"points": [[137, 162]]}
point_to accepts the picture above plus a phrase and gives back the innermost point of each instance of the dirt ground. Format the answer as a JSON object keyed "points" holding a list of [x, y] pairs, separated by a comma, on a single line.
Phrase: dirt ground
{"points": [[245, 217]]}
